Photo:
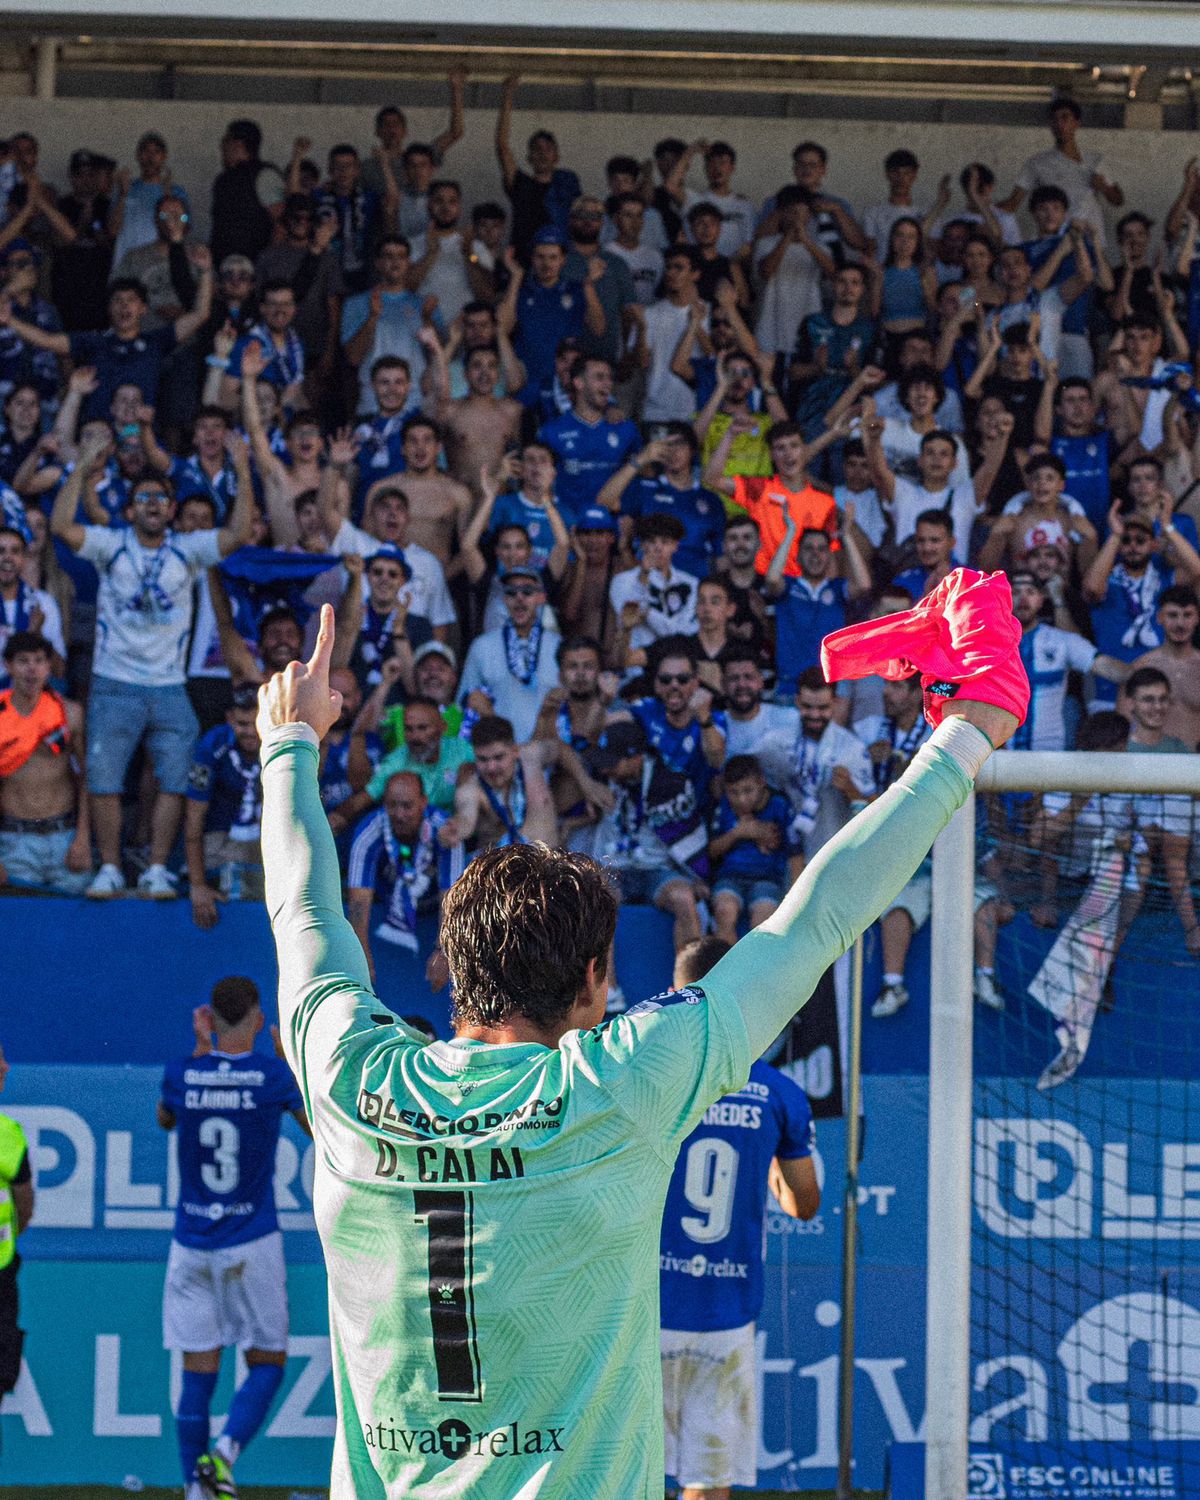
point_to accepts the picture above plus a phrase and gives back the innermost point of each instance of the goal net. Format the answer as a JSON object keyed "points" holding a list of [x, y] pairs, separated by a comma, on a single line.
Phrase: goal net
{"points": [[1064, 1276]]}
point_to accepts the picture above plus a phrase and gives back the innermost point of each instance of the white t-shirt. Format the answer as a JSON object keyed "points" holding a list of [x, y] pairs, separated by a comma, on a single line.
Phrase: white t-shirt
{"points": [[868, 513], [425, 593], [1049, 307], [1049, 655], [902, 447], [877, 222], [486, 667], [949, 414], [820, 809], [447, 278], [788, 297], [670, 603], [1053, 169], [645, 266], [654, 231], [911, 499], [738, 213], [144, 605], [51, 628], [1104, 815], [770, 735], [668, 399]]}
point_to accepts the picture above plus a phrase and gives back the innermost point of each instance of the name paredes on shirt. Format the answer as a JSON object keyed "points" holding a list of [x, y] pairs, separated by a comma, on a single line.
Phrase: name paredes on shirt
{"points": [[729, 1112]]}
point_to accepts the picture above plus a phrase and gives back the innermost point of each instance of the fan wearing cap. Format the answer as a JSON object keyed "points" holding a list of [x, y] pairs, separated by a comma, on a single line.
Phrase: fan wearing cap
{"points": [[584, 600], [385, 628], [1125, 585], [1048, 654], [435, 676], [654, 599], [224, 810], [660, 477], [542, 307], [386, 519], [513, 668]]}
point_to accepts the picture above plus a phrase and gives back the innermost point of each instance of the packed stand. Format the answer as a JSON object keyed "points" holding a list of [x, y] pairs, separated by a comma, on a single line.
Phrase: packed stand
{"points": [[586, 471]]}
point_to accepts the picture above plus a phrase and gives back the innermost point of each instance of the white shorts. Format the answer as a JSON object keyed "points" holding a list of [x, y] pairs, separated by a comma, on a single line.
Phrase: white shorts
{"points": [[236, 1295], [917, 898], [710, 1407]]}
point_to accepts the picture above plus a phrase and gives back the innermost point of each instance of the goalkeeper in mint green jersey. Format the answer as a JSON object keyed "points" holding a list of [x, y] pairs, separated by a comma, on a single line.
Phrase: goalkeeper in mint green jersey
{"points": [[490, 1206]]}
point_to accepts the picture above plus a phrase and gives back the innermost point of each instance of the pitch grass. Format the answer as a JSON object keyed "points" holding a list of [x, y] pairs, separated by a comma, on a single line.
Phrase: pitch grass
{"points": [[111, 1492]]}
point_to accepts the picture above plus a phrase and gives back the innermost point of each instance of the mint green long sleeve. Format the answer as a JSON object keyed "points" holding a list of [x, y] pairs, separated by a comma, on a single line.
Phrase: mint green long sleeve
{"points": [[324, 982], [770, 974]]}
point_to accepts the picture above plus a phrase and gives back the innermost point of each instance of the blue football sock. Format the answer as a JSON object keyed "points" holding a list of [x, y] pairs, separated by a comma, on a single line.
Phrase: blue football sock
{"points": [[191, 1418], [251, 1402]]}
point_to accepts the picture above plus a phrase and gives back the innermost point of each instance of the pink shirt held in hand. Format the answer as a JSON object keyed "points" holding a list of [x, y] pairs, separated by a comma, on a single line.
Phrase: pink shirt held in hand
{"points": [[962, 638]]}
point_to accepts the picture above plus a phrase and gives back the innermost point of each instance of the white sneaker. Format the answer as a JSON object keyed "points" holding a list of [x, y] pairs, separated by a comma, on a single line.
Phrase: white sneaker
{"points": [[157, 884], [892, 997], [1060, 1068], [986, 992], [108, 882]]}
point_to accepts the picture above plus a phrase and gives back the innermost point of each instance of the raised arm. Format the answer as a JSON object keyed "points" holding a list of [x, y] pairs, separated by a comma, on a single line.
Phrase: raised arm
{"points": [[453, 133], [185, 326], [324, 982], [66, 503], [30, 333], [504, 150], [239, 528], [872, 430], [771, 973], [1095, 580]]}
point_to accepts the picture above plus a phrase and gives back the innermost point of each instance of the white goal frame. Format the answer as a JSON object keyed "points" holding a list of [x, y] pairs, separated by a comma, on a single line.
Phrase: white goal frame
{"points": [[951, 1072]]}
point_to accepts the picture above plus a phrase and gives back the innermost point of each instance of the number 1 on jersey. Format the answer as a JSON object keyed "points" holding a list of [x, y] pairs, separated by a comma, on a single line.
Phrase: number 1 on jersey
{"points": [[450, 1219]]}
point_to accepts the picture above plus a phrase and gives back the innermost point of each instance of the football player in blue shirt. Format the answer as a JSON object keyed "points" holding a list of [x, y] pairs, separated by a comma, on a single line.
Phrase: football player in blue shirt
{"points": [[711, 1261], [662, 477], [226, 1282], [587, 445]]}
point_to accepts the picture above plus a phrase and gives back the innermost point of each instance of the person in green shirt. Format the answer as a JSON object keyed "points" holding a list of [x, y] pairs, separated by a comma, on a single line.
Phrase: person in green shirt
{"points": [[489, 1207], [429, 752]]}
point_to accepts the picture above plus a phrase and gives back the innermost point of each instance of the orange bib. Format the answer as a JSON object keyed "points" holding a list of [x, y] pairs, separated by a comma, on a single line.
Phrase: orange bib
{"points": [[21, 734]]}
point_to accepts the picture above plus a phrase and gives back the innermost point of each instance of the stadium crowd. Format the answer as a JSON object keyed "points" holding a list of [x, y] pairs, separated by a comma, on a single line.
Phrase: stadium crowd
{"points": [[587, 472]]}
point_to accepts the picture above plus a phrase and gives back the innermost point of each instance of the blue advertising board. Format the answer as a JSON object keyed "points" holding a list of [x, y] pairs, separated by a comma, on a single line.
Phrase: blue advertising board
{"points": [[1086, 1324]]}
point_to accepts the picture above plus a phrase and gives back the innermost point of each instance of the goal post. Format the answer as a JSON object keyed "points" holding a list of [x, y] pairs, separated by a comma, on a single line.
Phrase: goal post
{"points": [[952, 1073]]}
